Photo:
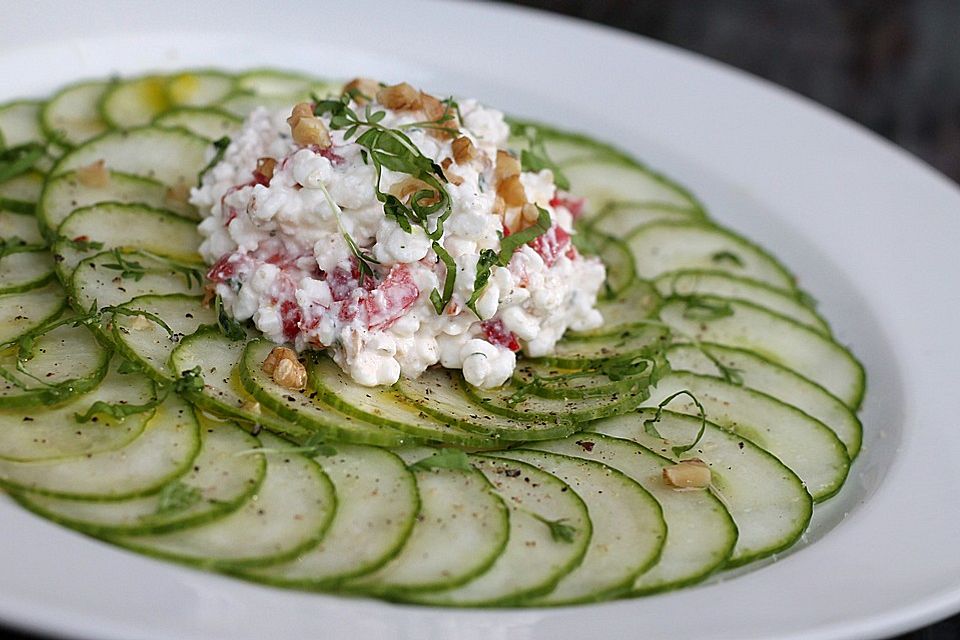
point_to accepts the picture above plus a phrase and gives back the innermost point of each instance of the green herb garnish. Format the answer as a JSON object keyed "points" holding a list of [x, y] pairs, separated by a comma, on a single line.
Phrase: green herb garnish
{"points": [[127, 268], [490, 258], [19, 159], [559, 531], [220, 144], [649, 426], [706, 309], [176, 497], [729, 257], [447, 459], [535, 158], [227, 325]]}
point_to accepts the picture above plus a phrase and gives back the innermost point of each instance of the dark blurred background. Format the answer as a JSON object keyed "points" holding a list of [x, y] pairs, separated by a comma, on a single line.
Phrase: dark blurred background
{"points": [[893, 66]]}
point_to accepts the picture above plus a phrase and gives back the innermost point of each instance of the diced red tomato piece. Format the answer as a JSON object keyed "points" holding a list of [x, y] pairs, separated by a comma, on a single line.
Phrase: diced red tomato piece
{"points": [[331, 155], [224, 268], [342, 282], [496, 333], [290, 317], [551, 245], [391, 298], [572, 203]]}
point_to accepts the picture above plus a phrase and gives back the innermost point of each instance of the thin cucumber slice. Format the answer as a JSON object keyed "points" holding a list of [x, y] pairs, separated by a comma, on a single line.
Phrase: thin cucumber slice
{"points": [[628, 528], [696, 283], [20, 230], [209, 122], [53, 433], [223, 477], [523, 404], [25, 270], [573, 353], [66, 193], [664, 247], [219, 358], [163, 451], [634, 305], [136, 102], [288, 514], [144, 341], [767, 501], [64, 362], [294, 405], [536, 557], [377, 506], [701, 533], [21, 189], [172, 156], [562, 147], [94, 283], [619, 219], [605, 180], [556, 382], [272, 82], [243, 103], [780, 339], [384, 405], [20, 123], [804, 444], [443, 394], [755, 372], [616, 257], [126, 227], [24, 312], [72, 115], [462, 528]]}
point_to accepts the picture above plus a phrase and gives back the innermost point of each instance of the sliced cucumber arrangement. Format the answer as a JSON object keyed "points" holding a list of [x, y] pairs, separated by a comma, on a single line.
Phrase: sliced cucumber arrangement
{"points": [[693, 432]]}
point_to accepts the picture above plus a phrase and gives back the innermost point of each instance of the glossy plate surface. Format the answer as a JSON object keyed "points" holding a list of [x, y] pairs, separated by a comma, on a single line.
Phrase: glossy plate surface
{"points": [[872, 232]]}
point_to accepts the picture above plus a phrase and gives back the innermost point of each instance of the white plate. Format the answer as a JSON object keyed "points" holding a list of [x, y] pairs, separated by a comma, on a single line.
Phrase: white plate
{"points": [[872, 232]]}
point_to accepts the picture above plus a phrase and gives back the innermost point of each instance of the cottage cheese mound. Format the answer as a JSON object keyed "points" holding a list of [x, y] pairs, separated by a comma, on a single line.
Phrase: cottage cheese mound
{"points": [[279, 254]]}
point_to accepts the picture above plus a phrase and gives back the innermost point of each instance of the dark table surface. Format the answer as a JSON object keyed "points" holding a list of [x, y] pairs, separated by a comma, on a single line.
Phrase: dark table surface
{"points": [[893, 66]]}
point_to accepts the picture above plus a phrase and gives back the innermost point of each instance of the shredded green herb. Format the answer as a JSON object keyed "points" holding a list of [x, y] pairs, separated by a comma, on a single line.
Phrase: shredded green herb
{"points": [[703, 308], [176, 497], [19, 159], [559, 531], [446, 459], [729, 257], [227, 325], [508, 246], [220, 145], [536, 158], [650, 425]]}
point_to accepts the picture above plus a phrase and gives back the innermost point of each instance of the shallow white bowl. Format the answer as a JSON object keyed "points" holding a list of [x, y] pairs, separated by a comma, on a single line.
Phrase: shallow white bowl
{"points": [[872, 232]]}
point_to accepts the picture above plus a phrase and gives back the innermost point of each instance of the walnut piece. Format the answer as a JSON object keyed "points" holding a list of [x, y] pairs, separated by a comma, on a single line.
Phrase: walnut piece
{"points": [[400, 97], [362, 90], [507, 166], [307, 129], [178, 196], [290, 374], [94, 175], [141, 323], [407, 187], [463, 150], [275, 356], [265, 168], [512, 191], [689, 474], [285, 369]]}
